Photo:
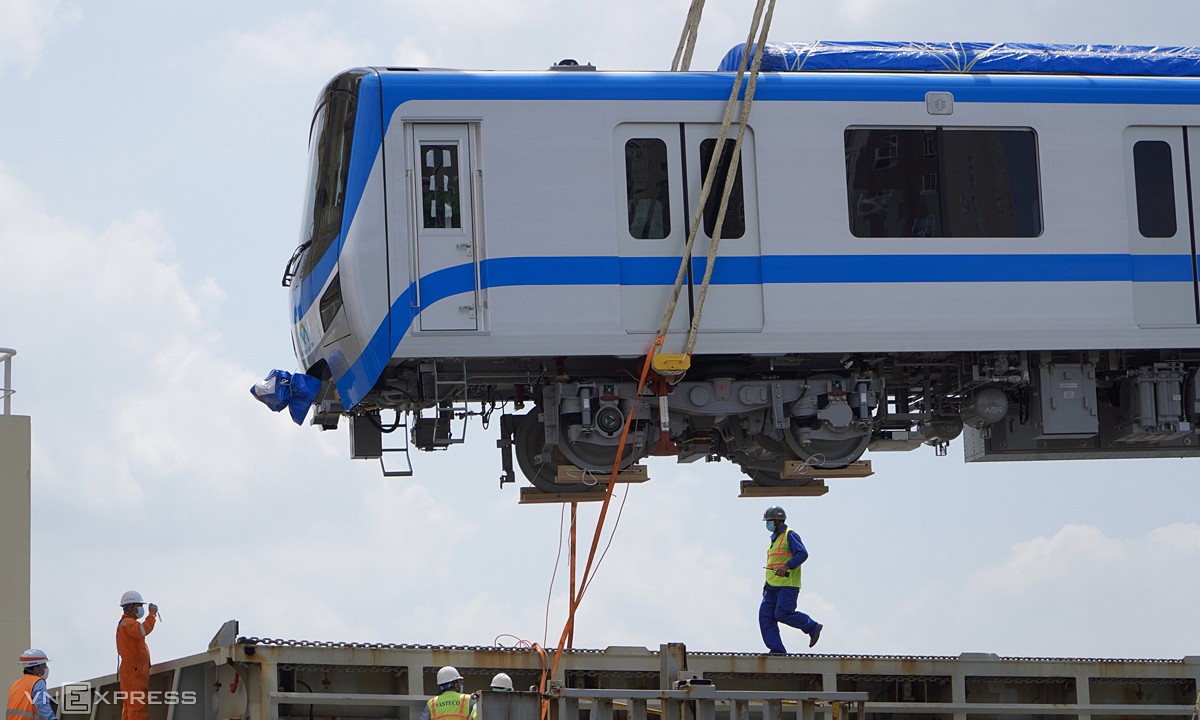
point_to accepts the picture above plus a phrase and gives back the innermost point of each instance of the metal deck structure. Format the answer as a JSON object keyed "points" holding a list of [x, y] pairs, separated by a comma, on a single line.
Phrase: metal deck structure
{"points": [[247, 678]]}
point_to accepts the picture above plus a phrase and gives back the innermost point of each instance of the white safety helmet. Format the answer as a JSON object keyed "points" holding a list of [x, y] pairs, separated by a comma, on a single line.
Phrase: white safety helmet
{"points": [[132, 597], [502, 682], [448, 675], [33, 657]]}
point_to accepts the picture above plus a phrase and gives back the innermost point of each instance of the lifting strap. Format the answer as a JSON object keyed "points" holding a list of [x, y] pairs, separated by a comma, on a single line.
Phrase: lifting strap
{"points": [[585, 581], [759, 26], [687, 39], [719, 151], [683, 56]]}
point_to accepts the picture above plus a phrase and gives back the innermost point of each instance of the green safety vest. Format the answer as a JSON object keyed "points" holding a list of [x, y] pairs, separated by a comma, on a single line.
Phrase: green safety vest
{"points": [[777, 556], [450, 705]]}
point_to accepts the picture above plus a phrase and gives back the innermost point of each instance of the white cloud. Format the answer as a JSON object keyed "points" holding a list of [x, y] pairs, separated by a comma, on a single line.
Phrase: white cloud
{"points": [[141, 352], [1073, 552], [306, 48], [857, 11], [1084, 592], [409, 53], [27, 26]]}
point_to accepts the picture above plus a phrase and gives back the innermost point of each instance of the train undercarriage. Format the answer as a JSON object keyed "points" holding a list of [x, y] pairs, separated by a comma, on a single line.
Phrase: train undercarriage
{"points": [[760, 412]]}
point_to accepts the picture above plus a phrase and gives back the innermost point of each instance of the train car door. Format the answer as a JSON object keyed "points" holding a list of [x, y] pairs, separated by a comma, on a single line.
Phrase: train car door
{"points": [[660, 172], [447, 262], [735, 294], [1163, 172]]}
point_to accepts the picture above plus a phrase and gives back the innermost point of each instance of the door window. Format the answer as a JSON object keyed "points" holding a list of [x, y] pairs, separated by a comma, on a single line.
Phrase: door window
{"points": [[735, 215], [647, 188], [1154, 184], [439, 186]]}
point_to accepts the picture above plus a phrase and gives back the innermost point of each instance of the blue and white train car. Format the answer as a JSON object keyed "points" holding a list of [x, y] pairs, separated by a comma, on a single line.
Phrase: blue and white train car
{"points": [[919, 239]]}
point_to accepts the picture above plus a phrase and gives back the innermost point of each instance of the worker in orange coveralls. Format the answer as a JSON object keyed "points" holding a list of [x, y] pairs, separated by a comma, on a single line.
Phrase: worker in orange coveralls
{"points": [[134, 671]]}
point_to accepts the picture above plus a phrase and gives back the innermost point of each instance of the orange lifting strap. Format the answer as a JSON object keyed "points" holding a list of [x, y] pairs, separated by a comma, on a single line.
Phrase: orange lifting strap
{"points": [[759, 26]]}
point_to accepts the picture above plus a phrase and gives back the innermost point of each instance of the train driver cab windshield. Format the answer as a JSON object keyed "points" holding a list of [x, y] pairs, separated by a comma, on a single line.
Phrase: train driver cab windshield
{"points": [[330, 138]]}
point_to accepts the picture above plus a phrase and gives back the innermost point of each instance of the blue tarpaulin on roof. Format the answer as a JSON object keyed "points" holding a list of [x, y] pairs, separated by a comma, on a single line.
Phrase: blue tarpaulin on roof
{"points": [[975, 58]]}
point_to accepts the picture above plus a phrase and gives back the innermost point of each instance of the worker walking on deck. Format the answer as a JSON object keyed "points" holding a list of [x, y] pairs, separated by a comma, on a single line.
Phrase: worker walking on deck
{"points": [[785, 554], [451, 703], [27, 698], [134, 670]]}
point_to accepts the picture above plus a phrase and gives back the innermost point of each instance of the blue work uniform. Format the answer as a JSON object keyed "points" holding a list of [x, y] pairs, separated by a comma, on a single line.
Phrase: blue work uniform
{"points": [[779, 598]]}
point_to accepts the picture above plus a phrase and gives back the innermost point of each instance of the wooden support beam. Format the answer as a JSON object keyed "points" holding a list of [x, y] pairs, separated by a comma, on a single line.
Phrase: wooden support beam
{"points": [[571, 475], [813, 488], [533, 496], [799, 470]]}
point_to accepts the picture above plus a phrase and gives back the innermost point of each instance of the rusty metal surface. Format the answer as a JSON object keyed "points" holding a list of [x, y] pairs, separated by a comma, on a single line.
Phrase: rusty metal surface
{"points": [[253, 678], [280, 642]]}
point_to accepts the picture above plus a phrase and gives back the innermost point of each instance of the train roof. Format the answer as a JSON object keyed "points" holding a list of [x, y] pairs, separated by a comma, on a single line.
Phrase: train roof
{"points": [[975, 58]]}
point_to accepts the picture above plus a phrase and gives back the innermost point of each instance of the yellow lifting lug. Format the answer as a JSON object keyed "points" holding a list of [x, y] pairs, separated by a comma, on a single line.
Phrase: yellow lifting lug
{"points": [[669, 364]]}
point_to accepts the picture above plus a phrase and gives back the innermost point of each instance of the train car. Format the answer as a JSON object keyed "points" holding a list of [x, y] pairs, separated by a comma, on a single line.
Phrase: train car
{"points": [[921, 241]]}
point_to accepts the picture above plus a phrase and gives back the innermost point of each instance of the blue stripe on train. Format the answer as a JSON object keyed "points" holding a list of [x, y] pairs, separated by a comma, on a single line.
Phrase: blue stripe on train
{"points": [[381, 95], [769, 269]]}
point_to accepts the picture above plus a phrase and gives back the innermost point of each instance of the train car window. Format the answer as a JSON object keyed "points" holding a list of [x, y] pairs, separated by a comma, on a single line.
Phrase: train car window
{"points": [[439, 186], [735, 215], [647, 188], [990, 183], [893, 178], [329, 168], [942, 182], [1154, 184]]}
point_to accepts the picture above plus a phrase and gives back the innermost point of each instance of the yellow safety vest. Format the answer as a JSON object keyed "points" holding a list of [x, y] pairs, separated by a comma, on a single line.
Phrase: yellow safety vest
{"points": [[450, 705], [778, 555]]}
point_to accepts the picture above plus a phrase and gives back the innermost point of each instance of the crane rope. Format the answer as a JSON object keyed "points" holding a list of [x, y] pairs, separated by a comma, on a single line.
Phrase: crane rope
{"points": [[731, 173], [683, 56], [759, 27], [687, 39], [569, 626]]}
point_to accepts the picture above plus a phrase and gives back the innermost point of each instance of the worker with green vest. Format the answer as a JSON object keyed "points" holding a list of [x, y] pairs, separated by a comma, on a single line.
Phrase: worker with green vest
{"points": [[27, 698], [785, 554], [451, 703]]}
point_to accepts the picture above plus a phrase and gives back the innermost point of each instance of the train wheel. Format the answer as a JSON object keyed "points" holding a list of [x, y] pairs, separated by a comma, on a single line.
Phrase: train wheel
{"points": [[828, 454], [590, 456], [766, 478], [764, 465], [529, 442]]}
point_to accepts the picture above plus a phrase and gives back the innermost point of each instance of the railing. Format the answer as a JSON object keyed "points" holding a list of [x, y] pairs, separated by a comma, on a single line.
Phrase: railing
{"points": [[242, 678], [6, 391], [696, 702], [700, 702]]}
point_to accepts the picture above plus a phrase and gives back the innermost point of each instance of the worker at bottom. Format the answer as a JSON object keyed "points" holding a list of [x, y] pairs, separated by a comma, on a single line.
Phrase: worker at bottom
{"points": [[134, 670], [27, 698], [785, 554], [451, 703]]}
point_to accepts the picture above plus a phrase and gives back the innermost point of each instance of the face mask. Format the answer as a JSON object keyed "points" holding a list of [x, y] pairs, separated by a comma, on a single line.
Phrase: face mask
{"points": [[770, 526], [46, 675], [141, 611]]}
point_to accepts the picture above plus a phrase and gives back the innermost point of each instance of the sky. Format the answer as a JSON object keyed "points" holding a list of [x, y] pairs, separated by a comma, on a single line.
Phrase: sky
{"points": [[152, 162]]}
